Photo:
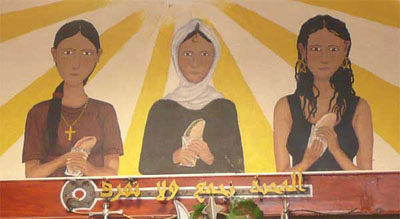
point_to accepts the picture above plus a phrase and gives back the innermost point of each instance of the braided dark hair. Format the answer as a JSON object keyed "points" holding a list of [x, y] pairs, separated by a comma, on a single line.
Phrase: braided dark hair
{"points": [[67, 30], [341, 81]]}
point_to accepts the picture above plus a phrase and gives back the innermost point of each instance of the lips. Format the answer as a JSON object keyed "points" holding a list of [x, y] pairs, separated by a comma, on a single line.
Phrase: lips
{"points": [[74, 74]]}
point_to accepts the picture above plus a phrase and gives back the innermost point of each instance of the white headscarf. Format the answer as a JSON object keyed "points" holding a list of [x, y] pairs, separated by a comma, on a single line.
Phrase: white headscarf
{"points": [[191, 95]]}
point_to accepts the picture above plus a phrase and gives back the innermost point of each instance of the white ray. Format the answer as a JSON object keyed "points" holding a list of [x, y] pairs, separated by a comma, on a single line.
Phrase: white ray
{"points": [[270, 78], [384, 156], [12, 5], [11, 161], [375, 46], [27, 57], [120, 81]]}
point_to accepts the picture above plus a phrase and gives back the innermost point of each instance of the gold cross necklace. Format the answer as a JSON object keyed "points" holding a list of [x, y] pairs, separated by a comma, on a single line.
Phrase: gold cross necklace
{"points": [[70, 131]]}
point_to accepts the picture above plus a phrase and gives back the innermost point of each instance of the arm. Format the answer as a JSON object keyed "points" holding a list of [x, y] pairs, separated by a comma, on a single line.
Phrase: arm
{"points": [[110, 168], [282, 126], [224, 149], [34, 145], [33, 168], [362, 124], [159, 142], [364, 131], [111, 165], [234, 152]]}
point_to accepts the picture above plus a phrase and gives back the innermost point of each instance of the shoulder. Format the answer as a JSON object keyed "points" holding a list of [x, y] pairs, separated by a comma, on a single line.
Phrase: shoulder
{"points": [[40, 108], [362, 108], [163, 104], [282, 104], [100, 106], [221, 105]]}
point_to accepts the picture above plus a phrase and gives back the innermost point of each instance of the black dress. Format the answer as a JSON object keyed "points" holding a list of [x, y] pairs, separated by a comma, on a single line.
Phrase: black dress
{"points": [[300, 132], [166, 123]]}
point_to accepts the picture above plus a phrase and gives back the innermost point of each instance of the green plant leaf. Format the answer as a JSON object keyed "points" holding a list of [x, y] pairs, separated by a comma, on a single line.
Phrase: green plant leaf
{"points": [[197, 211], [239, 208]]}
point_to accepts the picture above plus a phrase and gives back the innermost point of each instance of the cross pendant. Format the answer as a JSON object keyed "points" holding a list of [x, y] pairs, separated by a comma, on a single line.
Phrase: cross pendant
{"points": [[69, 132]]}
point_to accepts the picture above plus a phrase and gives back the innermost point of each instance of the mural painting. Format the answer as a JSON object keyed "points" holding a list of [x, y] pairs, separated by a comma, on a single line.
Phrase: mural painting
{"points": [[194, 129], [182, 87], [323, 125]]}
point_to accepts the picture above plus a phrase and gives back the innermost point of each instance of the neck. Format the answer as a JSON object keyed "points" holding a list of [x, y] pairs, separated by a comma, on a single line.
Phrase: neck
{"points": [[74, 95], [324, 87]]}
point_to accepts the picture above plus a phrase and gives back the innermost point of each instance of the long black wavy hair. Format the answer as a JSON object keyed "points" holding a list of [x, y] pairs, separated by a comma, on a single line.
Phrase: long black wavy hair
{"points": [[67, 30], [341, 81]]}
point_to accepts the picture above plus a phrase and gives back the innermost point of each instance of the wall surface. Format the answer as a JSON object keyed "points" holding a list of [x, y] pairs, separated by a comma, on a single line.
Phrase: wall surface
{"points": [[256, 68]]}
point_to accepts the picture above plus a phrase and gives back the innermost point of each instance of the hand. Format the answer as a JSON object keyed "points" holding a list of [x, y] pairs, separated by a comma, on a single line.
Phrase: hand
{"points": [[72, 155], [86, 142], [184, 156], [313, 153], [201, 148], [330, 135], [80, 163]]}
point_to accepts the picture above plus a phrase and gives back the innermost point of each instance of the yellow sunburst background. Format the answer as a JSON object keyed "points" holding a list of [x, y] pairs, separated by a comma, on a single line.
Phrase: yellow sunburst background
{"points": [[256, 66]]}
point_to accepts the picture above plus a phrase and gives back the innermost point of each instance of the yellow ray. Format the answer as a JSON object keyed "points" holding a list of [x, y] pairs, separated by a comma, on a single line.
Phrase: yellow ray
{"points": [[256, 132], [383, 11], [16, 23], [13, 113], [384, 99], [385, 107], [152, 90]]}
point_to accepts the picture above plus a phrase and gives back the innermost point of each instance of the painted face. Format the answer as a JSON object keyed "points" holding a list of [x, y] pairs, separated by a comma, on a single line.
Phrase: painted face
{"points": [[75, 58], [325, 53], [195, 57]]}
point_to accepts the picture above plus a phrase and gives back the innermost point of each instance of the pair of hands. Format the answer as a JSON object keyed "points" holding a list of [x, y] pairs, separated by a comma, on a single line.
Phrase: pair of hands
{"points": [[197, 149], [78, 159], [313, 153]]}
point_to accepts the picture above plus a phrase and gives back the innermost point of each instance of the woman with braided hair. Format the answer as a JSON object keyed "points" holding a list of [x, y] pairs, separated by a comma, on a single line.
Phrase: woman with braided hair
{"points": [[71, 119], [324, 86]]}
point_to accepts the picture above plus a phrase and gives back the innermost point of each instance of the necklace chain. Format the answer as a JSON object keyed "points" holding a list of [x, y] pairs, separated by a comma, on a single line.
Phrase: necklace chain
{"points": [[77, 119]]}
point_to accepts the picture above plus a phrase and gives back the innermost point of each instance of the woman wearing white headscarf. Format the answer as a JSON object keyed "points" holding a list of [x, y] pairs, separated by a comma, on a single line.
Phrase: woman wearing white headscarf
{"points": [[195, 53]]}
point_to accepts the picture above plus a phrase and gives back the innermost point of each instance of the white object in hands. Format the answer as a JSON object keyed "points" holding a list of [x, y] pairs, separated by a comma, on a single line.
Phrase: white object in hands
{"points": [[328, 120], [84, 146], [193, 132]]}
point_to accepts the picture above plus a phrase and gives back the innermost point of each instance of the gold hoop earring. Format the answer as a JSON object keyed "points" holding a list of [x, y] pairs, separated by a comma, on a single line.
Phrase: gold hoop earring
{"points": [[346, 63], [301, 66]]}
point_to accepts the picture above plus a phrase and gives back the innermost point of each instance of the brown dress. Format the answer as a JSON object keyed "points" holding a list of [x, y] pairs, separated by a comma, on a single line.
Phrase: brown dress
{"points": [[99, 120]]}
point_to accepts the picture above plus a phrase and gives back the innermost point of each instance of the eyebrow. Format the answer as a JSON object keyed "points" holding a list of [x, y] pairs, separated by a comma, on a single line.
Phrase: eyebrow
{"points": [[68, 48]]}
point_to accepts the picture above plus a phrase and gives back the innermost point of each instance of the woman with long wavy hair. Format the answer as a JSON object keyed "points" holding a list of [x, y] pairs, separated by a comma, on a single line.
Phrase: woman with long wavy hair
{"points": [[324, 86]]}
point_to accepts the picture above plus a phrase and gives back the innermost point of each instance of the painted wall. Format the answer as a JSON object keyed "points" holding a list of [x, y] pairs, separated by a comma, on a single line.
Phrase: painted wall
{"points": [[256, 66]]}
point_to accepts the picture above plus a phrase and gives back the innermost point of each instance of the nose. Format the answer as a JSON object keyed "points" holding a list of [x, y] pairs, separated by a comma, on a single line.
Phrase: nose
{"points": [[324, 58], [76, 61], [195, 61]]}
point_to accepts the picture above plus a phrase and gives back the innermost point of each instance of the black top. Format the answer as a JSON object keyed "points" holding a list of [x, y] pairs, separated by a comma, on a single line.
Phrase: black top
{"points": [[300, 132], [166, 123]]}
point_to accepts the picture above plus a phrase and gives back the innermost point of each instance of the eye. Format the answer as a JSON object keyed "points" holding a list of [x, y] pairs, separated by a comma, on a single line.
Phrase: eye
{"points": [[68, 52], [187, 54], [87, 53], [204, 54], [333, 49], [315, 49]]}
